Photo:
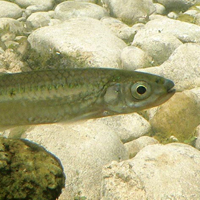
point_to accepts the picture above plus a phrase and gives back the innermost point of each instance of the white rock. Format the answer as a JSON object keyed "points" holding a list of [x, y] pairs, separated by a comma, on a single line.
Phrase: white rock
{"points": [[84, 40], [83, 149], [177, 4], [185, 32], [159, 46], [156, 172], [11, 10], [172, 15], [191, 12], [121, 30], [129, 11], [128, 127], [71, 9], [135, 146], [182, 67], [135, 58], [91, 1], [160, 9], [39, 19], [44, 4]]}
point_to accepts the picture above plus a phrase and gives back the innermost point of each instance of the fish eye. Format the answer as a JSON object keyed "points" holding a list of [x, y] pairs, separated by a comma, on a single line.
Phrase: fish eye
{"points": [[140, 90]]}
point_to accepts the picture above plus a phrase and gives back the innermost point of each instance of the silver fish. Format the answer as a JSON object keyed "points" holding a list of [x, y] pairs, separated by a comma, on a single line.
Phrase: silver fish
{"points": [[58, 95]]}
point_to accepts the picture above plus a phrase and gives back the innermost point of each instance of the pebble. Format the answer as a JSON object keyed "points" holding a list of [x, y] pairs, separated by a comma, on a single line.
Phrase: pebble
{"points": [[10, 10], [159, 46], [71, 9], [135, 58], [129, 11]]}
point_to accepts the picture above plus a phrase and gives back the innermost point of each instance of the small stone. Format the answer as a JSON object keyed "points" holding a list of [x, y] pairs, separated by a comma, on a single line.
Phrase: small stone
{"points": [[158, 46], [129, 11], [39, 19], [135, 146], [71, 9], [135, 58], [10, 10], [128, 127]]}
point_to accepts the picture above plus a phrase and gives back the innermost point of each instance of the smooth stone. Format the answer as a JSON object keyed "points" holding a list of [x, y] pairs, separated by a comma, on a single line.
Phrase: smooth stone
{"points": [[160, 9], [10, 10], [182, 67], [156, 172], [177, 4], [135, 58], [121, 30], [136, 145], [159, 46], [83, 148], [128, 127], [91, 1], [71, 9], [172, 15], [185, 32], [44, 4], [129, 11], [178, 117], [79, 42], [39, 19]]}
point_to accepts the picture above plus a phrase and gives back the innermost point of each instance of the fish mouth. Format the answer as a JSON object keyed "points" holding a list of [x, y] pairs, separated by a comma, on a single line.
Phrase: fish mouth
{"points": [[170, 91], [169, 85]]}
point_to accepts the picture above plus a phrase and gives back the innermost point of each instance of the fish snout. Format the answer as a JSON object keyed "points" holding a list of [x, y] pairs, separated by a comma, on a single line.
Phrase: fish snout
{"points": [[168, 84]]}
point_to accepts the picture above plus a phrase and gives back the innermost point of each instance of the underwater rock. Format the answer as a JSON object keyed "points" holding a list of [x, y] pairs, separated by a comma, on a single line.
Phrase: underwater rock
{"points": [[79, 44], [128, 127], [44, 4], [71, 9], [177, 118], [84, 148], [28, 171], [10, 10], [39, 19], [121, 30], [157, 172], [177, 4], [129, 11], [136, 145], [185, 32], [159, 46], [135, 58]]}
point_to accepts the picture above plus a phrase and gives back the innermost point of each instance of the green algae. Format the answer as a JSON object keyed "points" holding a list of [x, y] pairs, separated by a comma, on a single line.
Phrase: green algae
{"points": [[187, 18], [53, 60], [28, 171]]}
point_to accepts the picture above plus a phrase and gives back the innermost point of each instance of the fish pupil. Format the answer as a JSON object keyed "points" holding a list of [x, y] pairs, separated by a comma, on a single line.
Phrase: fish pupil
{"points": [[141, 89]]}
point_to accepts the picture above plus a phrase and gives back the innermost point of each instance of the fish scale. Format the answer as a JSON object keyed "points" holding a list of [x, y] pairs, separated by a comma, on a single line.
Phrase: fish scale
{"points": [[50, 96]]}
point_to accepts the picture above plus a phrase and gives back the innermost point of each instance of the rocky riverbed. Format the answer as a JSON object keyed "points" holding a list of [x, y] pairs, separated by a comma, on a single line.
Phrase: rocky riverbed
{"points": [[151, 155]]}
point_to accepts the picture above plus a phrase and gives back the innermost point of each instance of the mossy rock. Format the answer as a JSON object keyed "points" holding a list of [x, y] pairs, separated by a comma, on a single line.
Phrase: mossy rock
{"points": [[28, 171]]}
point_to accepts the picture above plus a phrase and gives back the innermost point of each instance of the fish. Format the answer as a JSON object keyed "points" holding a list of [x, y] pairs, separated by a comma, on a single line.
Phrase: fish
{"points": [[64, 95]]}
